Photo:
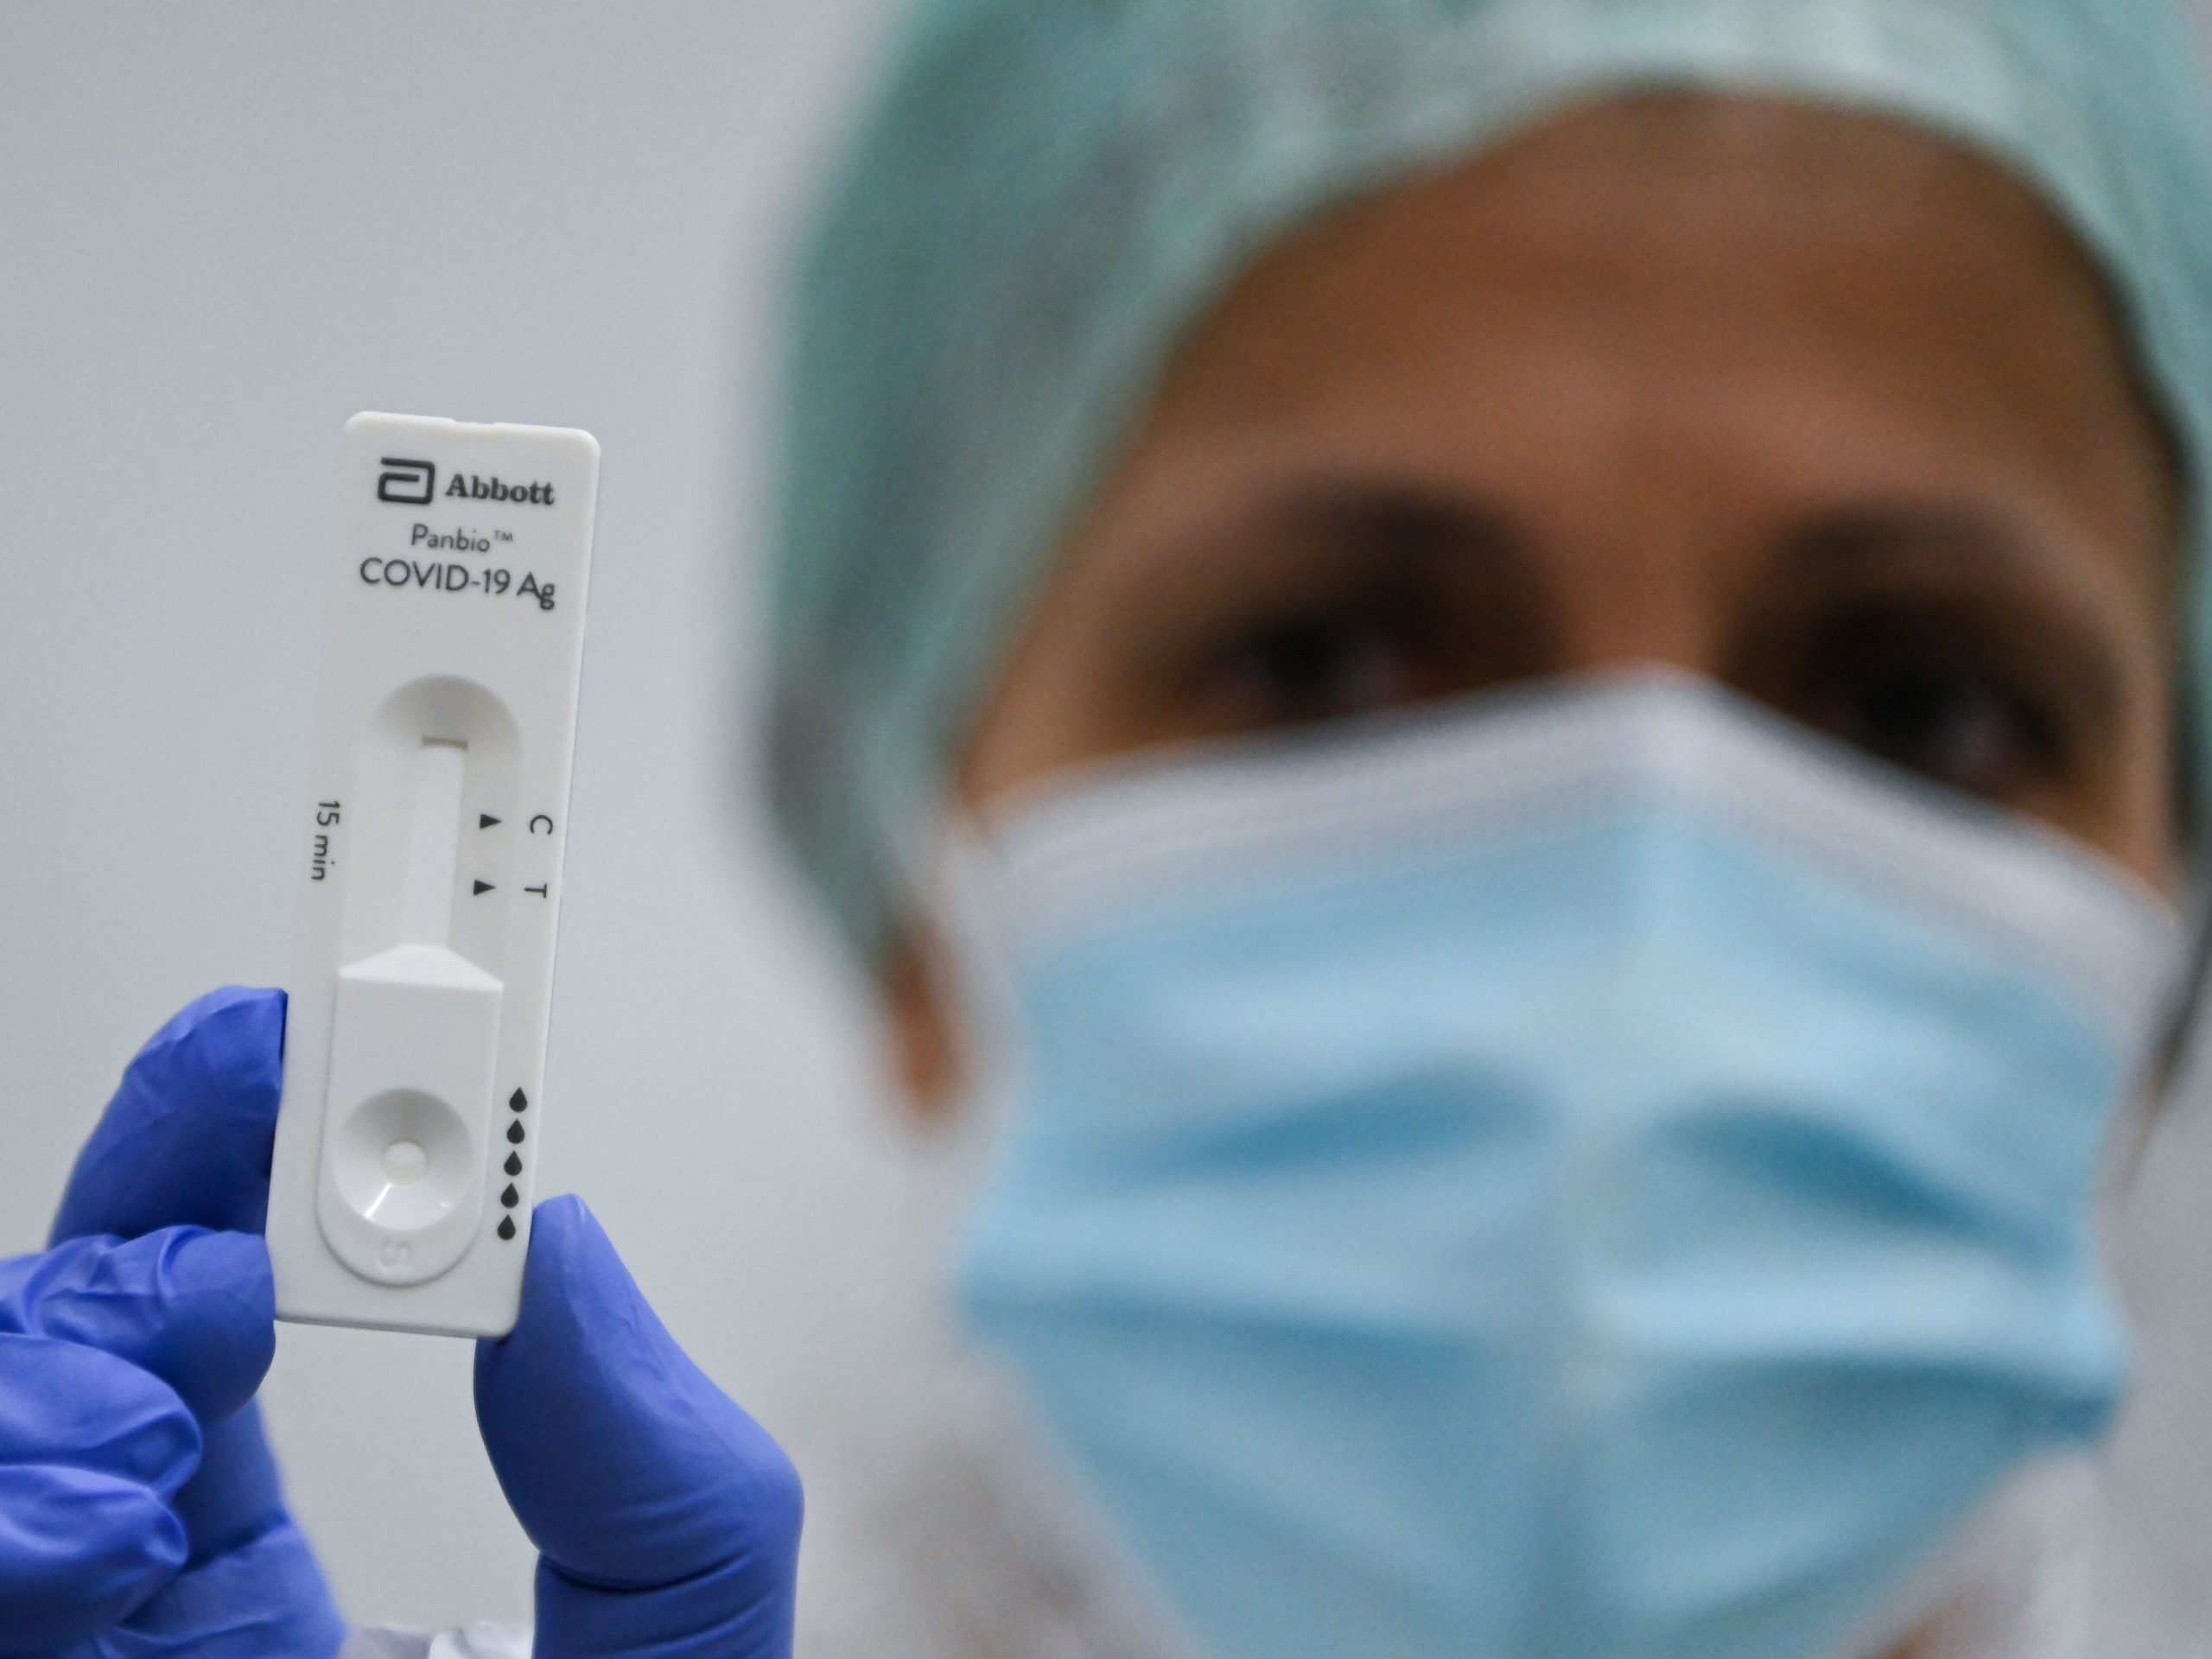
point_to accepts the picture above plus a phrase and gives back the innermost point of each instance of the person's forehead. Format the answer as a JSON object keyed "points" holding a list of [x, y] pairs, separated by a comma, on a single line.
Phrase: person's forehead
{"points": [[1596, 221], [1806, 290]]}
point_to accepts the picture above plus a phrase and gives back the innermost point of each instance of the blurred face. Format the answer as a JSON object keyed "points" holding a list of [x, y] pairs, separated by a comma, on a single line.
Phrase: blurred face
{"points": [[1800, 400]]}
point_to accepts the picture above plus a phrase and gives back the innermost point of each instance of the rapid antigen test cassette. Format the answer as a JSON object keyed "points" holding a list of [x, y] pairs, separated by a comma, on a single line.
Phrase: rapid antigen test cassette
{"points": [[421, 971]]}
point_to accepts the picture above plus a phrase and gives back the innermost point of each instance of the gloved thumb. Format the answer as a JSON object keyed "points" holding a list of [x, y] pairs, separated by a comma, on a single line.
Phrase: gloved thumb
{"points": [[666, 1520], [186, 1140]]}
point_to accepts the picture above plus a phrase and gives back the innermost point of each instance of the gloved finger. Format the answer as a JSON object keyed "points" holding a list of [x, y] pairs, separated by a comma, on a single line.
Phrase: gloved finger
{"points": [[666, 1518], [80, 1552], [225, 1607], [186, 1138], [250, 1584], [196, 1309], [64, 1405], [92, 1449], [237, 1495]]}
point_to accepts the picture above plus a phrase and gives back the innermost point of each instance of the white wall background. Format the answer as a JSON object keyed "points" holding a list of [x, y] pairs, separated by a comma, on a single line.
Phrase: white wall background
{"points": [[223, 229]]}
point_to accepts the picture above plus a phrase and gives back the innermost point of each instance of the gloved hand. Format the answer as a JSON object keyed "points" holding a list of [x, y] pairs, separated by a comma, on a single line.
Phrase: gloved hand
{"points": [[140, 1511], [666, 1520]]}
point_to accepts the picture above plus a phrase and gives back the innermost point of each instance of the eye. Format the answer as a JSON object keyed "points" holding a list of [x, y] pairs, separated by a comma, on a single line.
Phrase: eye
{"points": [[1945, 699], [1955, 726], [1342, 600], [1303, 667]]}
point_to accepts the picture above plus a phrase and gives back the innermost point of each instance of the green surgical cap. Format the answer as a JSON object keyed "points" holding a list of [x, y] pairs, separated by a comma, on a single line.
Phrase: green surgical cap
{"points": [[1049, 191]]}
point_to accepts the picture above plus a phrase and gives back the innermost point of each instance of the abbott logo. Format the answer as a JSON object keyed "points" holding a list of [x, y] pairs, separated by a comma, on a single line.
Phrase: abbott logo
{"points": [[409, 483]]}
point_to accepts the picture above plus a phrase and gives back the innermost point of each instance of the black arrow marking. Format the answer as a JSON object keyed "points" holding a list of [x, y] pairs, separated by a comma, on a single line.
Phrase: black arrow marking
{"points": [[518, 1100], [485, 820], [514, 1132], [510, 1198], [506, 1226], [513, 1165], [482, 886]]}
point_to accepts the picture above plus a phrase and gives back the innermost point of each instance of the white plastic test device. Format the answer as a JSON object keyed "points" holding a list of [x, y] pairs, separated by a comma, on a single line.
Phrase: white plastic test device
{"points": [[421, 971]]}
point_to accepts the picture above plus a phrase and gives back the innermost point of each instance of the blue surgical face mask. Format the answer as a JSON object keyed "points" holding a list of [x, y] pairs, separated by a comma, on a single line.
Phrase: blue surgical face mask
{"points": [[1594, 1174]]}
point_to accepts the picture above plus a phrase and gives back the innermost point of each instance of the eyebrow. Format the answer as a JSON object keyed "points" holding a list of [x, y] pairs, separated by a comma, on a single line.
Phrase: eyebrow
{"points": [[1992, 546], [1983, 539]]}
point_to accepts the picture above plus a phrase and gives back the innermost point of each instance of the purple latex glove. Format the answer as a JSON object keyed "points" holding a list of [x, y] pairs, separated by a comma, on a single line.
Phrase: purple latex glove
{"points": [[140, 1511], [667, 1521]]}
